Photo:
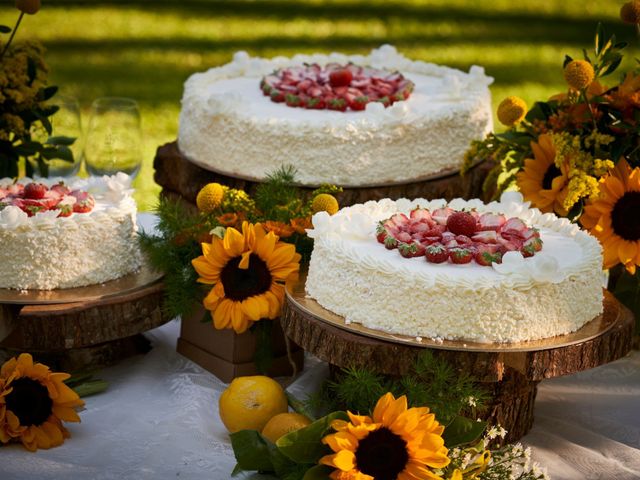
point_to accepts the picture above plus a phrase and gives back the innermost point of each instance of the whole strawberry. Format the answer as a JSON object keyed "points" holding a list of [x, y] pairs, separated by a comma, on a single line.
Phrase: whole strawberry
{"points": [[410, 250], [486, 258], [35, 191], [436, 253], [462, 223], [340, 78], [460, 255]]}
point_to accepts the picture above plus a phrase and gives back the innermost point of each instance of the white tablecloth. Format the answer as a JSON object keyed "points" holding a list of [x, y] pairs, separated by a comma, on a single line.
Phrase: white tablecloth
{"points": [[159, 420]]}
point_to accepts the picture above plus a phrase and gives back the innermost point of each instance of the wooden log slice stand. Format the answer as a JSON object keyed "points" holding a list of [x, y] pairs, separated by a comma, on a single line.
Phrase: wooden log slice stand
{"points": [[510, 375], [91, 332], [178, 175]]}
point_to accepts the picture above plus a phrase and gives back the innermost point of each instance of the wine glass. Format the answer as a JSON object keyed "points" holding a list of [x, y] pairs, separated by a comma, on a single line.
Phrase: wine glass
{"points": [[114, 137]]}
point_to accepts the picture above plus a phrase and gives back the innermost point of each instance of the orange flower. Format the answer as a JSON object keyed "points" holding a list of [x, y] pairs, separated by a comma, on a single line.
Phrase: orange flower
{"points": [[300, 225], [613, 217], [627, 96], [279, 228], [228, 219], [541, 181]]}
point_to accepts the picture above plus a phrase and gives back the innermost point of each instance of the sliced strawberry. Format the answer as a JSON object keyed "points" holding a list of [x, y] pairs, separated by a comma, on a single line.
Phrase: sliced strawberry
{"points": [[419, 227], [428, 240], [460, 255], [84, 202], [487, 236], [404, 237], [15, 189], [420, 214], [61, 188], [531, 246], [441, 215], [488, 247], [30, 206], [491, 221], [514, 226], [508, 245], [464, 240], [447, 237], [399, 219], [462, 223]]}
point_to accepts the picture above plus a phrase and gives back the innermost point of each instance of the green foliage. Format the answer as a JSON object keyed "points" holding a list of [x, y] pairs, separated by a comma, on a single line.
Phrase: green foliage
{"points": [[171, 252], [462, 431], [278, 198], [431, 382]]}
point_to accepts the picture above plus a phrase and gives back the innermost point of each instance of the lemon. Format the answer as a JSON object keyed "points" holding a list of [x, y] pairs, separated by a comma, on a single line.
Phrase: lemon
{"points": [[249, 403], [284, 423]]}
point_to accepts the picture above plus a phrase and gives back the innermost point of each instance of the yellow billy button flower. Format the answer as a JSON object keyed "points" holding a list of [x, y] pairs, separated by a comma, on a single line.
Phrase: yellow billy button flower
{"points": [[511, 111], [325, 203], [210, 197], [579, 74], [29, 7], [630, 12]]}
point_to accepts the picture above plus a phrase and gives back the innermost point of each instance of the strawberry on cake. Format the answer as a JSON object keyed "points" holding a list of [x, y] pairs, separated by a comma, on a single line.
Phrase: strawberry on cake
{"points": [[498, 272], [56, 234], [352, 120]]}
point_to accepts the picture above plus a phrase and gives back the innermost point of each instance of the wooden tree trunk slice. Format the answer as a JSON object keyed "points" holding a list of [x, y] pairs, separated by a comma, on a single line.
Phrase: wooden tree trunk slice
{"points": [[511, 377], [83, 334], [175, 173]]}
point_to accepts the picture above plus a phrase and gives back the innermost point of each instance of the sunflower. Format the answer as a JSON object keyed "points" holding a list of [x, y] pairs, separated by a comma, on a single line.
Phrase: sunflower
{"points": [[613, 217], [397, 443], [541, 181], [247, 271], [34, 402]]}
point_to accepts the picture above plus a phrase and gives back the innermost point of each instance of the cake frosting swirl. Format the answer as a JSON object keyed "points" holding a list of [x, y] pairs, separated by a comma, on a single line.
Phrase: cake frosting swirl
{"points": [[45, 251], [520, 299], [228, 125]]}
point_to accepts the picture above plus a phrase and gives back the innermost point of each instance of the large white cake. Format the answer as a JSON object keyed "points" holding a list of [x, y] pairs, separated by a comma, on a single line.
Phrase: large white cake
{"points": [[228, 125], [80, 233], [553, 292]]}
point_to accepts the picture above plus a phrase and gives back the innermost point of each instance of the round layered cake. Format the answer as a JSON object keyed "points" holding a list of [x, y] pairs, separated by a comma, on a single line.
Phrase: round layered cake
{"points": [[424, 269], [350, 120], [59, 233]]}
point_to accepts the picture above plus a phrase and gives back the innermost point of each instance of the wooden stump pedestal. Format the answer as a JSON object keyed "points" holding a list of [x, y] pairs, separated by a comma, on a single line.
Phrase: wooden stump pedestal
{"points": [[177, 175], [510, 375], [85, 334]]}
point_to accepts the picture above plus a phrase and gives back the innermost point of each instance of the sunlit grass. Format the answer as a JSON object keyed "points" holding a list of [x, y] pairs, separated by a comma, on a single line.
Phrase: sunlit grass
{"points": [[146, 49]]}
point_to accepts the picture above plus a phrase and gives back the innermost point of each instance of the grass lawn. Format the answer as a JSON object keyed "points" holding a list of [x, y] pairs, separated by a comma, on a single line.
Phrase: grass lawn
{"points": [[146, 49]]}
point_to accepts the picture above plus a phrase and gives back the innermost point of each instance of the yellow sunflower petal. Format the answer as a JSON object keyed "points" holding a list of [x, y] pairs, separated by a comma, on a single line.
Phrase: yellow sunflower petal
{"points": [[343, 460], [244, 261], [265, 244], [53, 433], [222, 314], [341, 441], [239, 320], [420, 472], [255, 307], [233, 242], [627, 251], [208, 273], [65, 414], [213, 298]]}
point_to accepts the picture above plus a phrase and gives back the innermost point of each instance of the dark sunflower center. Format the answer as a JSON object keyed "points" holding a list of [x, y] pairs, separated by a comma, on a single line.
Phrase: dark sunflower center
{"points": [[382, 454], [625, 216], [29, 401], [240, 284], [551, 173]]}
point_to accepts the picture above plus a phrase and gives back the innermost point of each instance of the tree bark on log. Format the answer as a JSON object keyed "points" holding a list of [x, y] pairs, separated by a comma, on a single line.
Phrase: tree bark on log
{"points": [[175, 173]]}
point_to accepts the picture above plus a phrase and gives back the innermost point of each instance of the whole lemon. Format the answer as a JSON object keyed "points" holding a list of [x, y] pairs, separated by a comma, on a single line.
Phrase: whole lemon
{"points": [[284, 423], [249, 403]]}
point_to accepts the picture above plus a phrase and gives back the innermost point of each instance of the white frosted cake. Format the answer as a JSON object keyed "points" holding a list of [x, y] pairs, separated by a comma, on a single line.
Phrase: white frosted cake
{"points": [[408, 267], [404, 120], [60, 233]]}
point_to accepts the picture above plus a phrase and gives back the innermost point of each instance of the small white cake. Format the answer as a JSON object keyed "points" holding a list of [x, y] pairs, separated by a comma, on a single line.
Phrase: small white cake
{"points": [[79, 232], [229, 125], [553, 292]]}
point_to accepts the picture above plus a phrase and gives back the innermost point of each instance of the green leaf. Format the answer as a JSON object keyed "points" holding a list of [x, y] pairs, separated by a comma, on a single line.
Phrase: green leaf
{"points": [[319, 472], [305, 445], [92, 387], [263, 356], [5, 29], [462, 431], [251, 451], [612, 67], [599, 39], [539, 111], [58, 152], [49, 92], [60, 140], [567, 59]]}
